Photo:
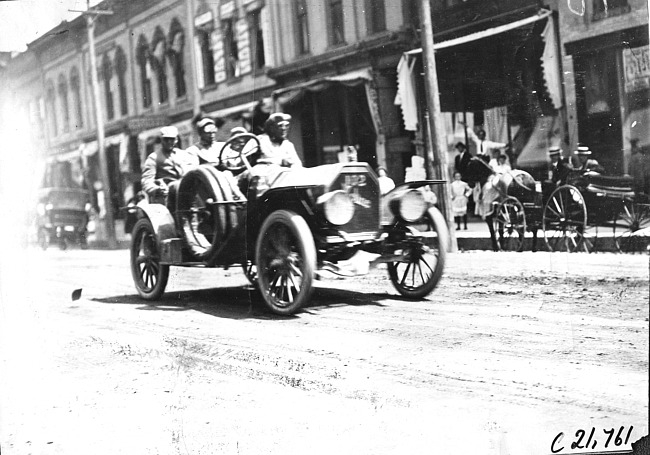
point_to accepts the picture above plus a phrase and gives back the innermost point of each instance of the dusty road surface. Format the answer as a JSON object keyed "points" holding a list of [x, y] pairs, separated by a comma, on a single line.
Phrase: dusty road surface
{"points": [[510, 351]]}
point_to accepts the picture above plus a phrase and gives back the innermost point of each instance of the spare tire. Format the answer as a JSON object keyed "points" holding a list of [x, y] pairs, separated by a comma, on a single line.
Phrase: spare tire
{"points": [[203, 228]]}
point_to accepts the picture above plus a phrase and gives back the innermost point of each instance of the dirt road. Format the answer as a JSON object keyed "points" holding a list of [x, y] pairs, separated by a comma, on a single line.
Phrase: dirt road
{"points": [[508, 352]]}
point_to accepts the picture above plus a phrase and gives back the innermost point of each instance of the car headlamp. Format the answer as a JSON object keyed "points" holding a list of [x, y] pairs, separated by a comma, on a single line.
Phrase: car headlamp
{"points": [[337, 207], [49, 207], [412, 205], [40, 209]]}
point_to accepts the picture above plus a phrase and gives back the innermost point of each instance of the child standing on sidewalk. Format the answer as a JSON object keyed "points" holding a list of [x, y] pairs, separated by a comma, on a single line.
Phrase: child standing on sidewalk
{"points": [[460, 192]]}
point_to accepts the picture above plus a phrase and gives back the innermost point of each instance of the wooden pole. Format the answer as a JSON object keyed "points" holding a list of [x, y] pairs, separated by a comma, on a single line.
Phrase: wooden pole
{"points": [[109, 221], [196, 92], [436, 155]]}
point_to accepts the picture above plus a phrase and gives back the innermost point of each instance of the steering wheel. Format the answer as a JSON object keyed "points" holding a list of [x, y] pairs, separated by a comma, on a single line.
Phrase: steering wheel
{"points": [[242, 155]]}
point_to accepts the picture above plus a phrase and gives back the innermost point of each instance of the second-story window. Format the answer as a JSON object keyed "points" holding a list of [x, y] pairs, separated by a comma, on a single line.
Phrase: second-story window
{"points": [[256, 39], [375, 16], [63, 98], [75, 85], [120, 69], [50, 101], [160, 67], [207, 59], [107, 75], [230, 49], [302, 27], [145, 71], [335, 22], [175, 54]]}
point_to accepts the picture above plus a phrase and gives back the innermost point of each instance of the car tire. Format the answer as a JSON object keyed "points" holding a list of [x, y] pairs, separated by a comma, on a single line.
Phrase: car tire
{"points": [[434, 244], [285, 255], [149, 275]]}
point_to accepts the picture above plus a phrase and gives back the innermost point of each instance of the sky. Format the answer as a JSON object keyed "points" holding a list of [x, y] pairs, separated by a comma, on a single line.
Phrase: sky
{"points": [[22, 21]]}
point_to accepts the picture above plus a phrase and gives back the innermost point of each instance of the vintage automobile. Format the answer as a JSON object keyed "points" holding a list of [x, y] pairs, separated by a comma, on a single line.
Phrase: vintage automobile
{"points": [[284, 227], [62, 216]]}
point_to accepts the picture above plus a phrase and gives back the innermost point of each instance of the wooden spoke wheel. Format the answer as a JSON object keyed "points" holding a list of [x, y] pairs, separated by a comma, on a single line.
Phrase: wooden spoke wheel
{"points": [[424, 251], [565, 223], [286, 261], [510, 225], [632, 228], [149, 275]]}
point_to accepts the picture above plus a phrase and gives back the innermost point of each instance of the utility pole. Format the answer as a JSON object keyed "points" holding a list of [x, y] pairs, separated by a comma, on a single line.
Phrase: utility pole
{"points": [[109, 220], [436, 152]]}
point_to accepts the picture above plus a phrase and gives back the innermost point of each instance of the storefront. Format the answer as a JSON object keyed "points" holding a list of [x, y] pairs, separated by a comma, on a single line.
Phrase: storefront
{"points": [[503, 77], [613, 95], [333, 113]]}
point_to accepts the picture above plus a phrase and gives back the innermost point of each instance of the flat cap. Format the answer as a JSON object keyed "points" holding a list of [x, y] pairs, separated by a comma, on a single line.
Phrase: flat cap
{"points": [[279, 117], [169, 131]]}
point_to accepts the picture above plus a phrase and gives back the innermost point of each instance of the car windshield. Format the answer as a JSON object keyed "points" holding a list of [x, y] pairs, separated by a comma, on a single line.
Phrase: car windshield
{"points": [[59, 175]]}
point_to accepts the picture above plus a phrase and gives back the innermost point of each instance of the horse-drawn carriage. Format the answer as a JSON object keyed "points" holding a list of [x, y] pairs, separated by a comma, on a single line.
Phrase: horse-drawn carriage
{"points": [[569, 214], [285, 226]]}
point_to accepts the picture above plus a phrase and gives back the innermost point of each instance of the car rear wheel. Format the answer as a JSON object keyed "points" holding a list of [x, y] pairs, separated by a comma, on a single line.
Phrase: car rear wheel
{"points": [[149, 275], [286, 261], [424, 251]]}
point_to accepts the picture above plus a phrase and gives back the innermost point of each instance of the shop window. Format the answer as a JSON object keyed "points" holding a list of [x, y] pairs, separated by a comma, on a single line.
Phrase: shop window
{"points": [[175, 54], [76, 96], [50, 101], [230, 48], [120, 69], [607, 8], [143, 59], [256, 39], [159, 50], [207, 59], [302, 27], [375, 16], [336, 25], [107, 75], [63, 98]]}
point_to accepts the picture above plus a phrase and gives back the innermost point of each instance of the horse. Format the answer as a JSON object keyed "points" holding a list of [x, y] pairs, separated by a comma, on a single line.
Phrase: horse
{"points": [[491, 188]]}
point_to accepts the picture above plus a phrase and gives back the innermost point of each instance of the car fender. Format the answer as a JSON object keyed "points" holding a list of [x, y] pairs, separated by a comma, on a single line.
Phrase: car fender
{"points": [[160, 217]]}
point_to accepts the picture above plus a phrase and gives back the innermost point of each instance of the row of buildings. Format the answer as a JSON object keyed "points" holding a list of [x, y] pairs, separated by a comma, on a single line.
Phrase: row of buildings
{"points": [[532, 73]]}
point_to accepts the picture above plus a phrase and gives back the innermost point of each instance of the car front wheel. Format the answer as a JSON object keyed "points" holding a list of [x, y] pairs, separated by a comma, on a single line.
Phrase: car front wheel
{"points": [[286, 262]]}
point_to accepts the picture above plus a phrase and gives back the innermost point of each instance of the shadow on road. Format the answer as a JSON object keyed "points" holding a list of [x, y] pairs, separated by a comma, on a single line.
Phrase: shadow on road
{"points": [[243, 302]]}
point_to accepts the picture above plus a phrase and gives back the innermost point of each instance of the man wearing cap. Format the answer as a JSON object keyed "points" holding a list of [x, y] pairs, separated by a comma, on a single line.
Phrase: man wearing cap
{"points": [[207, 149], [276, 148], [165, 166], [559, 166], [586, 164], [231, 154]]}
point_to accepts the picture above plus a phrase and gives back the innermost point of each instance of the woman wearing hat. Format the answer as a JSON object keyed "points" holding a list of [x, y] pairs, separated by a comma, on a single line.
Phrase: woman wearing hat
{"points": [[585, 163]]}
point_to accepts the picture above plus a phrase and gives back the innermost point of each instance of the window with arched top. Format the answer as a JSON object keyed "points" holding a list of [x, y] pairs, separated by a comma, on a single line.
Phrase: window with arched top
{"points": [[159, 50], [62, 88], [106, 71], [120, 71], [143, 58], [50, 102], [75, 86], [175, 54]]}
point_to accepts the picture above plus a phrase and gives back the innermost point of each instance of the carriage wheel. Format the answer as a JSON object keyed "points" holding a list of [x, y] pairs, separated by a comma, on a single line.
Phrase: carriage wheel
{"points": [[632, 228], [425, 251], [510, 225], [286, 261], [149, 275], [565, 223]]}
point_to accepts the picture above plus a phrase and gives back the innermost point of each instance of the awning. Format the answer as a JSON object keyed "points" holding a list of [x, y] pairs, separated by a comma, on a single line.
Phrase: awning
{"points": [[235, 110], [542, 14], [291, 94]]}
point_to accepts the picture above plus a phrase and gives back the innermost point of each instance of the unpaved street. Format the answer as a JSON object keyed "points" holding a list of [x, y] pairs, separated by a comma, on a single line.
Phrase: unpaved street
{"points": [[508, 352]]}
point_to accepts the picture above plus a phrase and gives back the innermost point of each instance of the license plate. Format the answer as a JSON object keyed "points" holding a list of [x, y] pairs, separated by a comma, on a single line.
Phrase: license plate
{"points": [[69, 228]]}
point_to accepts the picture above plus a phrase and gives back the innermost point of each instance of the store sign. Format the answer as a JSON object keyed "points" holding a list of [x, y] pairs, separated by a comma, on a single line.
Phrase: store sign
{"points": [[203, 19], [637, 68]]}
